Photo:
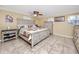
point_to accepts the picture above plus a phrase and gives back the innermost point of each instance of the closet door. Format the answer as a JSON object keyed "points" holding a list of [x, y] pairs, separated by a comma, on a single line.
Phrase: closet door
{"points": [[49, 25]]}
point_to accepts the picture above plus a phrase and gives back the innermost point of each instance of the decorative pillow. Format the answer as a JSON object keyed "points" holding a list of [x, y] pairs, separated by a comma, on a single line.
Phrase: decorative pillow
{"points": [[25, 34]]}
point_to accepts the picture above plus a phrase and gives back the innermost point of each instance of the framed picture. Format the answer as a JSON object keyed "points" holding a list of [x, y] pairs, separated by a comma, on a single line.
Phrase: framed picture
{"points": [[59, 19], [9, 18]]}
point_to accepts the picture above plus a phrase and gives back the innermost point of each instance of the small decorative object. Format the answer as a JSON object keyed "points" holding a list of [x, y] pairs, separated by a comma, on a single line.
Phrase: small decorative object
{"points": [[8, 18], [59, 19]]}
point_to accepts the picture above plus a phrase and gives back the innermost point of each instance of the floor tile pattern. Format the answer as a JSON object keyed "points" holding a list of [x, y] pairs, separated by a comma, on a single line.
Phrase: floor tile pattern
{"points": [[51, 45]]}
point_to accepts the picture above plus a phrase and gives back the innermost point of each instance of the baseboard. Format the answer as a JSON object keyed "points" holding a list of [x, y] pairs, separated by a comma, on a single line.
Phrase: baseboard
{"points": [[63, 35]]}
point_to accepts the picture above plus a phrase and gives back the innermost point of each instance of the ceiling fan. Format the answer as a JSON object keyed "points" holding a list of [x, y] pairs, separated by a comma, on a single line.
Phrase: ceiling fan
{"points": [[37, 13]]}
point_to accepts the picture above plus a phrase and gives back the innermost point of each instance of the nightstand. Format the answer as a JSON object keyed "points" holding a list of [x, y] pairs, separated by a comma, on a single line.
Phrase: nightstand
{"points": [[8, 34]]}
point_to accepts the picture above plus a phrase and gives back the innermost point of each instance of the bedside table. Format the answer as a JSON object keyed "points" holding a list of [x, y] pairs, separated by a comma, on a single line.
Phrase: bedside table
{"points": [[8, 34]]}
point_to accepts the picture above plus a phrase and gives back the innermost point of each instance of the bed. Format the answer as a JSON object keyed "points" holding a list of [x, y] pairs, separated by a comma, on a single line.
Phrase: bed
{"points": [[33, 36]]}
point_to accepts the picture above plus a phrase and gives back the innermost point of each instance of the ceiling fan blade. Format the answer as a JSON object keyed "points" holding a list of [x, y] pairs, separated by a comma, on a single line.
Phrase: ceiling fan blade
{"points": [[41, 14]]}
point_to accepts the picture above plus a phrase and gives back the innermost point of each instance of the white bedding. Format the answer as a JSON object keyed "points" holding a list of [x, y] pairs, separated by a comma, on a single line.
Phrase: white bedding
{"points": [[31, 31]]}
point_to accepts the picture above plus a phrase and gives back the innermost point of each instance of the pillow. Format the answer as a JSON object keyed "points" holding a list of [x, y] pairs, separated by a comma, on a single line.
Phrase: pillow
{"points": [[34, 27]]}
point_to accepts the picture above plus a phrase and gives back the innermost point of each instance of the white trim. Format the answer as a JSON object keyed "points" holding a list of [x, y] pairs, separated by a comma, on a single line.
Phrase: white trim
{"points": [[63, 35]]}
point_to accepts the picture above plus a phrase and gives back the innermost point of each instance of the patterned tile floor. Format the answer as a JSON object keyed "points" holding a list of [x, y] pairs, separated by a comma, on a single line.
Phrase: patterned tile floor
{"points": [[51, 45]]}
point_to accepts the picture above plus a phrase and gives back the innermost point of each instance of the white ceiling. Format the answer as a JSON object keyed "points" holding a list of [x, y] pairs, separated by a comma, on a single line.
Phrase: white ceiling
{"points": [[47, 10]]}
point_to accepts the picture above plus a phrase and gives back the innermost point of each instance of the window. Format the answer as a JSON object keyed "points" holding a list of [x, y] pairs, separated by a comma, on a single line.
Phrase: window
{"points": [[73, 20]]}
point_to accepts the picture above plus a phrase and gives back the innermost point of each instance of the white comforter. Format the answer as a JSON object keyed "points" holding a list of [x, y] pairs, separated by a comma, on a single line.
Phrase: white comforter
{"points": [[31, 31]]}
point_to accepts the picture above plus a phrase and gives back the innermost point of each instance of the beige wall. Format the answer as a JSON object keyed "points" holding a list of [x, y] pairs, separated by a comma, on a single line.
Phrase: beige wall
{"points": [[39, 20], [63, 29], [3, 24]]}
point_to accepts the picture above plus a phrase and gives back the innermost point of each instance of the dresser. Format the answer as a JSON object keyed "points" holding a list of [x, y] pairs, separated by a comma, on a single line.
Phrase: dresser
{"points": [[76, 36], [8, 34]]}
